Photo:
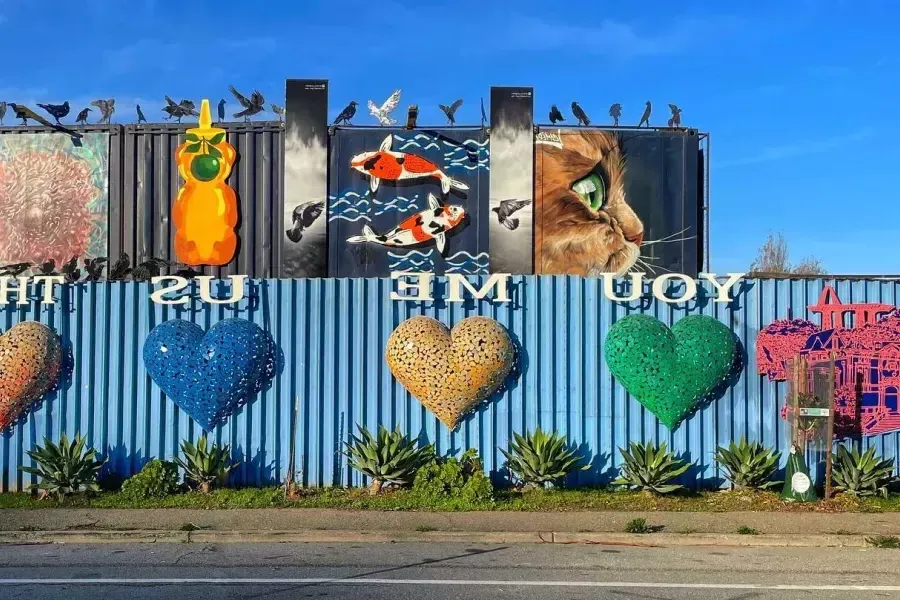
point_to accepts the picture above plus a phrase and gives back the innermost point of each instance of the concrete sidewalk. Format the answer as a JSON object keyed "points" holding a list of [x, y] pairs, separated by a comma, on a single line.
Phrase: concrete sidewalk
{"points": [[323, 525]]}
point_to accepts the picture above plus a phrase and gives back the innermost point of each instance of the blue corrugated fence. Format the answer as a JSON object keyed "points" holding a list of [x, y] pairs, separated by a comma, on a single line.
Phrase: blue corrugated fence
{"points": [[332, 334]]}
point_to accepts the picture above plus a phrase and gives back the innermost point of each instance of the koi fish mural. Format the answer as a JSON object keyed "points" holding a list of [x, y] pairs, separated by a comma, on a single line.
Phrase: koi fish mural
{"points": [[408, 223], [432, 223], [399, 166]]}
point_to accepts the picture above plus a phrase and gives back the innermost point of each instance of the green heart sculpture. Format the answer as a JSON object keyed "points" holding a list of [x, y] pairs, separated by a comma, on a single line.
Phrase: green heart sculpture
{"points": [[669, 370]]}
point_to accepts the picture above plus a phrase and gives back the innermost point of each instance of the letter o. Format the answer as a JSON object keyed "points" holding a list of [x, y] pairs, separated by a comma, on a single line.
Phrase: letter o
{"points": [[690, 288]]}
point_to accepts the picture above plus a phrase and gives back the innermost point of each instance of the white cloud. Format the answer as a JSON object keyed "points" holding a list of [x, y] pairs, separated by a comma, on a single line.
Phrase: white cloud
{"points": [[796, 149]]}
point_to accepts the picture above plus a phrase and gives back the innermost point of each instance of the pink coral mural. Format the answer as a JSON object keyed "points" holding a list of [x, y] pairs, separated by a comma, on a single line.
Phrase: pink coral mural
{"points": [[867, 357]]}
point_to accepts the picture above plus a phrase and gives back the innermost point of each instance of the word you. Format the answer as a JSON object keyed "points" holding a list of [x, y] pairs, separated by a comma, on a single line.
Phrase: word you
{"points": [[420, 287]]}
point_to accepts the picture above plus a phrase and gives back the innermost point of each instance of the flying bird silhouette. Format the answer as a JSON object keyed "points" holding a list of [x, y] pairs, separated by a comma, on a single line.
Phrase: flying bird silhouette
{"points": [[507, 208], [221, 110], [140, 114], [179, 110], [106, 108], [483, 114], [2, 111], [279, 111], [675, 121], [304, 216], [645, 118], [580, 115], [347, 113], [450, 111], [57, 111], [615, 111], [383, 112], [555, 115], [81, 119], [252, 106]]}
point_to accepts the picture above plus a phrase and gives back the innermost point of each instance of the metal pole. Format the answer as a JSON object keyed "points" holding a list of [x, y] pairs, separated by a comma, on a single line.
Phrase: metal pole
{"points": [[829, 434]]}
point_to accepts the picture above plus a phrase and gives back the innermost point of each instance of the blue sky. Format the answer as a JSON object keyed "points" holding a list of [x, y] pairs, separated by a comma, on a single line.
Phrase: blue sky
{"points": [[800, 96]]}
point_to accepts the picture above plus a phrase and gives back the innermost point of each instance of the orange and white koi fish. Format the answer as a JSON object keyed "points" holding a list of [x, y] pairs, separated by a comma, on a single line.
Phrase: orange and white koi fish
{"points": [[400, 166], [430, 224]]}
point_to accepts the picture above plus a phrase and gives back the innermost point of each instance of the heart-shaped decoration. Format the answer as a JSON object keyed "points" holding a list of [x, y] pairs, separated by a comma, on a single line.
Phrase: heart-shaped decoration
{"points": [[30, 361], [669, 370], [210, 374], [450, 373]]}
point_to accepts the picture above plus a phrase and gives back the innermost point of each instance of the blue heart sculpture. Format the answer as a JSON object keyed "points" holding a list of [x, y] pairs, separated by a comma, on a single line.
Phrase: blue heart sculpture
{"points": [[209, 375]]}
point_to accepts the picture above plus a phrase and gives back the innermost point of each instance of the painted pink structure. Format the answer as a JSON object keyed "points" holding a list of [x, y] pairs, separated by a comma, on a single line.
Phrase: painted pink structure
{"points": [[867, 358]]}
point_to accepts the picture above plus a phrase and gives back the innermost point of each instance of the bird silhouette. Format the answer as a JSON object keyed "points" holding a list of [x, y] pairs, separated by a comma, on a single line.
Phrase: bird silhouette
{"points": [[675, 121], [615, 111], [120, 269], [57, 111], [303, 216], [179, 110], [383, 112], [93, 268], [14, 270], [450, 111], [107, 108], [25, 113], [221, 110], [70, 270], [2, 111], [508, 207], [279, 111], [483, 114], [347, 114], [645, 118], [81, 119], [555, 115], [140, 114], [412, 115], [252, 106], [150, 268], [580, 115], [48, 268]]}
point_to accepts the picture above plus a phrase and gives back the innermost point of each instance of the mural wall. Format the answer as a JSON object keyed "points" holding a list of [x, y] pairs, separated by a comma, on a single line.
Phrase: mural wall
{"points": [[303, 246], [616, 201], [512, 177], [404, 200], [54, 202]]}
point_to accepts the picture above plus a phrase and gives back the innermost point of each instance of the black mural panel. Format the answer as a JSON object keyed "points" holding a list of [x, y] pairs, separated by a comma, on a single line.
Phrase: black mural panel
{"points": [[303, 245], [408, 200], [512, 175], [615, 201]]}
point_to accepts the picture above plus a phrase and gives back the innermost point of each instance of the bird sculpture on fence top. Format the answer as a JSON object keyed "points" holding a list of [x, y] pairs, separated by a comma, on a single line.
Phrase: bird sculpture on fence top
{"points": [[383, 112], [675, 120], [57, 111], [645, 118], [346, 114], [450, 111], [2, 111], [107, 108], [81, 119], [615, 111], [580, 115], [555, 115], [253, 105]]}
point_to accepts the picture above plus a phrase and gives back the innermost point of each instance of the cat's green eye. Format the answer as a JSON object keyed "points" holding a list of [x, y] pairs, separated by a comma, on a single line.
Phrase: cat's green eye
{"points": [[592, 191]]}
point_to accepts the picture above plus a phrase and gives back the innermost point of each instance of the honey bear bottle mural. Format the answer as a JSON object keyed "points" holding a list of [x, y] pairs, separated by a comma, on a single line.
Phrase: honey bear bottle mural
{"points": [[205, 211]]}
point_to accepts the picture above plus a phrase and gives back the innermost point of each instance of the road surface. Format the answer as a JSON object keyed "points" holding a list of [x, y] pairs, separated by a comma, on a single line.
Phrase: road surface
{"points": [[442, 571]]}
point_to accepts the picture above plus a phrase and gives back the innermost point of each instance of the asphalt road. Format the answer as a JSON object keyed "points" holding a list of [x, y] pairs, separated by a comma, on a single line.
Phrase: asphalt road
{"points": [[442, 571]]}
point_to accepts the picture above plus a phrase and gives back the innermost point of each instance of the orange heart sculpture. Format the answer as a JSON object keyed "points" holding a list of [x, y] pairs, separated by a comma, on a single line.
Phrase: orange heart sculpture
{"points": [[450, 372], [30, 361]]}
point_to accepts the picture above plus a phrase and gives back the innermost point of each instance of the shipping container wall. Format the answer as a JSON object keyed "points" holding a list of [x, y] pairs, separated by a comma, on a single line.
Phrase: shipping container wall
{"points": [[143, 182], [332, 375]]}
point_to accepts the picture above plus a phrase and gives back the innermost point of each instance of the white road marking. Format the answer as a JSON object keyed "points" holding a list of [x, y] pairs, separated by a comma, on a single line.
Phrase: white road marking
{"points": [[468, 582]]}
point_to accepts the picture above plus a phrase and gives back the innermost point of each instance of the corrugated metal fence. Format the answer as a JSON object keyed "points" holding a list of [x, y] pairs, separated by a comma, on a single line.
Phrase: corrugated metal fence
{"points": [[332, 333], [143, 180]]}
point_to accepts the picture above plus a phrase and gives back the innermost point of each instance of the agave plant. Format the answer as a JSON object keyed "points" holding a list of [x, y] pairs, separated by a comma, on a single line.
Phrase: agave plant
{"points": [[649, 468], [861, 474], [540, 458], [65, 468], [388, 457], [205, 465], [749, 465]]}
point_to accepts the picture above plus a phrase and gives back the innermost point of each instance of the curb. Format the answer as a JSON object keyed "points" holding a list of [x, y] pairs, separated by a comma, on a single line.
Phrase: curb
{"points": [[335, 536]]}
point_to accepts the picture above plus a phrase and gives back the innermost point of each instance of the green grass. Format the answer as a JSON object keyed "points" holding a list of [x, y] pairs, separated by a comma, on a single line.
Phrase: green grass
{"points": [[424, 528], [744, 530], [536, 500], [884, 541], [638, 526]]}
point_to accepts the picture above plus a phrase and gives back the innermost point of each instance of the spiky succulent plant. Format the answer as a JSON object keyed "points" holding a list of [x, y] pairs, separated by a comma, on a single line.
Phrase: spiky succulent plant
{"points": [[65, 468], [649, 468], [861, 474], [540, 458], [387, 457], [749, 465], [205, 465]]}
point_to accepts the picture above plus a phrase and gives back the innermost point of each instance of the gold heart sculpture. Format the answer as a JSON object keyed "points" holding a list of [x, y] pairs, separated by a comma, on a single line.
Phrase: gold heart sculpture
{"points": [[30, 360], [450, 373]]}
